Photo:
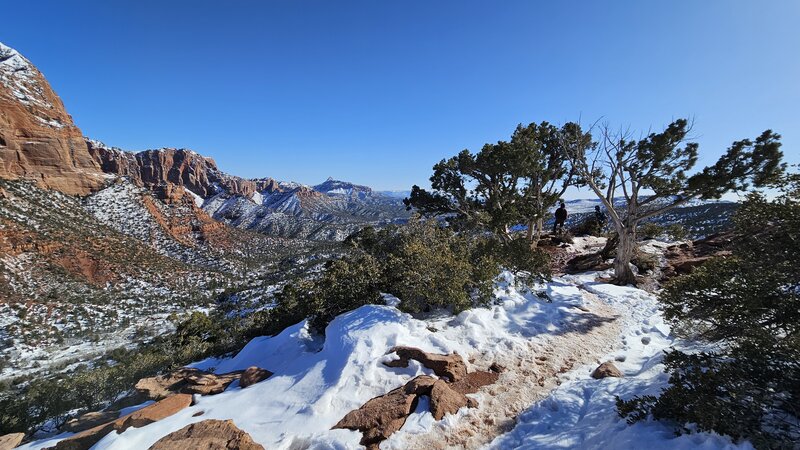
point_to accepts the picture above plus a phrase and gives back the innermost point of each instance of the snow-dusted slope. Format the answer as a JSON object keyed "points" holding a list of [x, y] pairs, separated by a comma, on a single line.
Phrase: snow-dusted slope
{"points": [[317, 381]]}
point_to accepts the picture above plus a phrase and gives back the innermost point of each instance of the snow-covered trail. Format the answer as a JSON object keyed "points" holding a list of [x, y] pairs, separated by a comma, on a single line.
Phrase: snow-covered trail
{"points": [[529, 376], [581, 413]]}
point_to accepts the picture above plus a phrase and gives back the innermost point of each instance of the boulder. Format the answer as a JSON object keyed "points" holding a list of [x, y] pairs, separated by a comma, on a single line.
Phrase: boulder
{"points": [[208, 435], [186, 381], [451, 366], [89, 420], [253, 375], [154, 413], [445, 400], [605, 370], [381, 416], [147, 415], [9, 441]]}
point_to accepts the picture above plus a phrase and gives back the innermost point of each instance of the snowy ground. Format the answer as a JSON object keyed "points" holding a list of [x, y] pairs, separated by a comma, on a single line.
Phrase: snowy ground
{"points": [[544, 399]]}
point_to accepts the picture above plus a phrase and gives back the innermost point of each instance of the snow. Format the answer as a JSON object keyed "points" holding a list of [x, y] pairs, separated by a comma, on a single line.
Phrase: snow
{"points": [[581, 413], [317, 381], [198, 201]]}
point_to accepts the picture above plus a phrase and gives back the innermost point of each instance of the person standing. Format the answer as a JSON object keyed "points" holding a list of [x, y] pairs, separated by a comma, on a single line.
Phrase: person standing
{"points": [[561, 217]]}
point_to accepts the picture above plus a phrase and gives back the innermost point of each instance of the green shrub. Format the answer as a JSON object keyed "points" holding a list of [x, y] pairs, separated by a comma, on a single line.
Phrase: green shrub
{"points": [[428, 266], [748, 306], [677, 232], [650, 230]]}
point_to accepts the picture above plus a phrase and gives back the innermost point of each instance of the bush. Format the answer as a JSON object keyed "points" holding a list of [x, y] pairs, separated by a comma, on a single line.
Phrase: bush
{"points": [[748, 306], [677, 232], [516, 256], [650, 230], [428, 266]]}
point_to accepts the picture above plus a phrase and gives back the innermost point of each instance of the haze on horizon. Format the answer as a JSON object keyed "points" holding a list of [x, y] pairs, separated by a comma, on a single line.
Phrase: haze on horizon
{"points": [[376, 93]]}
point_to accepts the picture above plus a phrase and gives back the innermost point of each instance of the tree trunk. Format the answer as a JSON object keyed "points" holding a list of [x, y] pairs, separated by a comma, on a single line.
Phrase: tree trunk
{"points": [[535, 232], [626, 248]]}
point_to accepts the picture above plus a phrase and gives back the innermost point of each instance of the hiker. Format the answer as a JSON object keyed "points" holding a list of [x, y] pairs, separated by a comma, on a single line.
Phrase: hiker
{"points": [[599, 216], [561, 217]]}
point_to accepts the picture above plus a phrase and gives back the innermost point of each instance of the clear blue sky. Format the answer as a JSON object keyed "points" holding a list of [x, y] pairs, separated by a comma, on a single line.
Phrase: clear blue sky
{"points": [[376, 92]]}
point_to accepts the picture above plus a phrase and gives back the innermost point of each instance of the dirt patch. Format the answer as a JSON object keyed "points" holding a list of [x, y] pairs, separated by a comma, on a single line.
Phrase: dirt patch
{"points": [[528, 377]]}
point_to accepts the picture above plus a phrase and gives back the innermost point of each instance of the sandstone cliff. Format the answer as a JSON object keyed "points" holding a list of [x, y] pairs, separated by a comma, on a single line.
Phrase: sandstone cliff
{"points": [[38, 139], [164, 169]]}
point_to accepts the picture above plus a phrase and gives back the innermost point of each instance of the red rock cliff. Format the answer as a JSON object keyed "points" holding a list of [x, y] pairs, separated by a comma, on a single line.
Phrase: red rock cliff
{"points": [[38, 139]]}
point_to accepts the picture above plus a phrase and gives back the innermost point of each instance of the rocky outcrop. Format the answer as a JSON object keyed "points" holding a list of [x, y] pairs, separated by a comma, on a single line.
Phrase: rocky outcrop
{"points": [[186, 381], [451, 366], [9, 441], [253, 375], [208, 435], [381, 416], [147, 415], [685, 258], [38, 139], [606, 370], [166, 170], [89, 420]]}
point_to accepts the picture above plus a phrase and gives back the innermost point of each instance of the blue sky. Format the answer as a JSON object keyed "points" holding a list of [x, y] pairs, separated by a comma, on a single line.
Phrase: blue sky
{"points": [[376, 92]]}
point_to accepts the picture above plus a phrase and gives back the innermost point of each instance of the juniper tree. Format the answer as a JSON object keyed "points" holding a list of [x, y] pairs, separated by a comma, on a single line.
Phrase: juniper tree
{"points": [[651, 175], [502, 185], [748, 306]]}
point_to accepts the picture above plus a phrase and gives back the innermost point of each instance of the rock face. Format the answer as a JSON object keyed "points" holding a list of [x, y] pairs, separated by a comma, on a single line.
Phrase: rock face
{"points": [[253, 375], [605, 370], [186, 381], [684, 258], [451, 366], [9, 441], [166, 169], [208, 435], [38, 139], [147, 415]]}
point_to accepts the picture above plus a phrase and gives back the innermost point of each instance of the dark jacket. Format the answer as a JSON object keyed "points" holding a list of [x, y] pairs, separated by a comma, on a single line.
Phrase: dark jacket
{"points": [[561, 214]]}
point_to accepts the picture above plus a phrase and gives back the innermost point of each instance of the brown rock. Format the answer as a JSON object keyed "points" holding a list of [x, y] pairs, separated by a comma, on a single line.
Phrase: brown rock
{"points": [[474, 381], [420, 385], [381, 416], [445, 400], [9, 441], [208, 435], [167, 171], [154, 413], [605, 370], [147, 415], [253, 375], [38, 139], [451, 366], [89, 420], [85, 439], [187, 381]]}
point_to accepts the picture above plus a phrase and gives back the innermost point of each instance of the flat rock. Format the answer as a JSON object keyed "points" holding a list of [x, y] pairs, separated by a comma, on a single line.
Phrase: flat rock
{"points": [[445, 400], [208, 435], [186, 381], [9, 441], [605, 370], [154, 413], [89, 420], [381, 416], [147, 415], [451, 366], [253, 375]]}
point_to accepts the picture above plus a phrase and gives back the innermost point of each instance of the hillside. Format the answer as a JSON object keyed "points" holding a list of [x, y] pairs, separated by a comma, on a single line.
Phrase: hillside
{"points": [[542, 346]]}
